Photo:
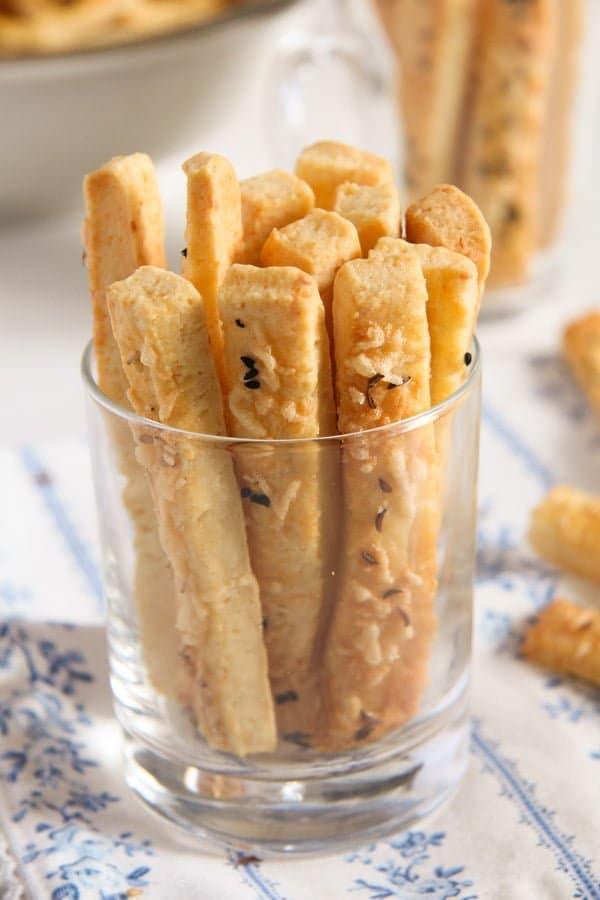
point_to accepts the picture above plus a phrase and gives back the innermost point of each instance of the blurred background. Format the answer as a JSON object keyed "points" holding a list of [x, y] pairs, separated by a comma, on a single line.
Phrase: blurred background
{"points": [[463, 91]]}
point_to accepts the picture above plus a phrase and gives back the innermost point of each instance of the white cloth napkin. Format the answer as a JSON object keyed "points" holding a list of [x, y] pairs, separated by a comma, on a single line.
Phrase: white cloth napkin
{"points": [[526, 822]]}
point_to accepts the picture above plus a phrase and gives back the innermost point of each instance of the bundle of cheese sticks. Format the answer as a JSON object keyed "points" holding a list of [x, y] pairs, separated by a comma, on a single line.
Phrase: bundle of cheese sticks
{"points": [[285, 587], [486, 92]]}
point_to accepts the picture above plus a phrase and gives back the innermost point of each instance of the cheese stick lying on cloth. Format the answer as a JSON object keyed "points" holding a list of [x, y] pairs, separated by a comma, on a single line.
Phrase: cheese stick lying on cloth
{"points": [[566, 638], [123, 229], [279, 386], [581, 347], [565, 530], [160, 325], [379, 641]]}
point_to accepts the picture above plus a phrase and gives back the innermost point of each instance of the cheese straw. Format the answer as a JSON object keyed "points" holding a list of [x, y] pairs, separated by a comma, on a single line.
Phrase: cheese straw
{"points": [[279, 386]]}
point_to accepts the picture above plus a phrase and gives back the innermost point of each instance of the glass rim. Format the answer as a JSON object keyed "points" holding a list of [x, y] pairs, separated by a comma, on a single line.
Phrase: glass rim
{"points": [[402, 426]]}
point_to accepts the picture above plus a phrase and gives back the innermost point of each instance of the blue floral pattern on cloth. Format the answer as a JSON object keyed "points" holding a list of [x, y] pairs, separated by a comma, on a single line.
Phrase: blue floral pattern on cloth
{"points": [[46, 757], [536, 816], [410, 874]]}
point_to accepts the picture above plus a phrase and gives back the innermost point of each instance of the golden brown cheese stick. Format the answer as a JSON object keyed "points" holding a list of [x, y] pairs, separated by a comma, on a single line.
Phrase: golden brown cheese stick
{"points": [[446, 217], [278, 368], [379, 641], [213, 234], [433, 41], [566, 638], [504, 142], [160, 325], [565, 531], [581, 346], [318, 244], [558, 130], [452, 304], [270, 201], [123, 229], [374, 211], [327, 164]]}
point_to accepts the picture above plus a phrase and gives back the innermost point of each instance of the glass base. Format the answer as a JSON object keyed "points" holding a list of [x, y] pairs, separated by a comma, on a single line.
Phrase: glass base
{"points": [[319, 815]]}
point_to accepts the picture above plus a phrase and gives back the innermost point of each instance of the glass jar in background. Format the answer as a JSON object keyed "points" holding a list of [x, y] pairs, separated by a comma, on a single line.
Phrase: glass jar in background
{"points": [[501, 98], [329, 709]]}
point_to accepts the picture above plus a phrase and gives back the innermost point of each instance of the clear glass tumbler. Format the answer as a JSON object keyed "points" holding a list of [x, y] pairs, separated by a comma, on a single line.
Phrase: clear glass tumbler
{"points": [[291, 671]]}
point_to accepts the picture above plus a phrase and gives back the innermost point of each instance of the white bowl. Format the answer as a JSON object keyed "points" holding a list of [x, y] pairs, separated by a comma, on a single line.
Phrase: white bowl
{"points": [[65, 115]]}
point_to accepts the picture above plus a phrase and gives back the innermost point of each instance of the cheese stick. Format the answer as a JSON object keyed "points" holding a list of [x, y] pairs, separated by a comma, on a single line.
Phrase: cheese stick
{"points": [[503, 149], [327, 164], [383, 623], [581, 346], [374, 211], [123, 229], [160, 325], [433, 40], [559, 121], [452, 304], [280, 386], [446, 217], [565, 530], [318, 244], [566, 638], [270, 201], [213, 234]]}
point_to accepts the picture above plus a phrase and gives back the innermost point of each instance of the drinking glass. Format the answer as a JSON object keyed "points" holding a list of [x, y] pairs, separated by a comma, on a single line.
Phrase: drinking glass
{"points": [[344, 716]]}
